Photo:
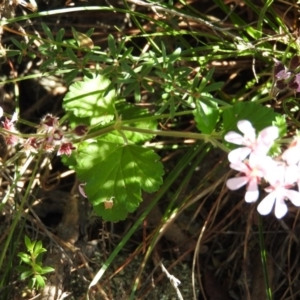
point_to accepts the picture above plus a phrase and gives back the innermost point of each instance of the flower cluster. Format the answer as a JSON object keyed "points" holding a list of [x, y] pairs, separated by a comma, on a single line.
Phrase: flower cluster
{"points": [[288, 78], [50, 136], [53, 136], [282, 174]]}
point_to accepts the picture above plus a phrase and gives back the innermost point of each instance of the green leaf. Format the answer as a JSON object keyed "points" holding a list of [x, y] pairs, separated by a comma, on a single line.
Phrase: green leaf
{"points": [[46, 270], [148, 87], [47, 63], [129, 72], [206, 116], [22, 269], [174, 56], [19, 59], [18, 44], [47, 31], [280, 122], [129, 88], [31, 55], [10, 53], [37, 268], [70, 54], [38, 249], [38, 246], [137, 93], [91, 98], [25, 257], [205, 80], [131, 113], [90, 32], [40, 280], [116, 171], [26, 274], [60, 34], [260, 116], [75, 35], [145, 70], [126, 53], [112, 45], [28, 243], [70, 76], [32, 282], [87, 73], [213, 87], [86, 59]]}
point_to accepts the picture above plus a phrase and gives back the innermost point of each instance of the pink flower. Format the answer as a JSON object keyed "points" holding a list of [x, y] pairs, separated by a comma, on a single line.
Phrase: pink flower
{"points": [[253, 171], [50, 121], [47, 147], [49, 124], [283, 74], [260, 145], [11, 139], [281, 179], [66, 148], [30, 146]]}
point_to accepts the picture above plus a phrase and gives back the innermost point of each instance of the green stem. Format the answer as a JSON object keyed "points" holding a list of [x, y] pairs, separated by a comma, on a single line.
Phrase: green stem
{"points": [[177, 134], [157, 117], [208, 138], [99, 132], [266, 99]]}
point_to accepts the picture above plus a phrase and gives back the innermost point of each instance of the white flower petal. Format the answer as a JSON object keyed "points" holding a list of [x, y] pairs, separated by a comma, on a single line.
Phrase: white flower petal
{"points": [[1, 112], [235, 183], [234, 138], [247, 129], [266, 205], [276, 175], [238, 154], [265, 139], [269, 134], [280, 208], [239, 166], [252, 193], [291, 174], [291, 155], [293, 196]]}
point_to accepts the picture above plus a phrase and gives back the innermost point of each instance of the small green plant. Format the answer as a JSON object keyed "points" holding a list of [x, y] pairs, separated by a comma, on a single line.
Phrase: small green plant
{"points": [[33, 261]]}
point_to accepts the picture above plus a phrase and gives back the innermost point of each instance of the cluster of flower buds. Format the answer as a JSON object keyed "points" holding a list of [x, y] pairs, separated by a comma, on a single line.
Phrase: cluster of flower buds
{"points": [[280, 175], [288, 78], [50, 136]]}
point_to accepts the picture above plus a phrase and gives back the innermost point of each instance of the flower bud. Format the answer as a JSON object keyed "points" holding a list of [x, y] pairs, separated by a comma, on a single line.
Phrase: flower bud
{"points": [[81, 130]]}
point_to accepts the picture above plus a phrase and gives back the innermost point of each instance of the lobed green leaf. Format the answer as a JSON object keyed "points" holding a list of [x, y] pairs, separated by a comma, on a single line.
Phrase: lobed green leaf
{"points": [[118, 171], [91, 98]]}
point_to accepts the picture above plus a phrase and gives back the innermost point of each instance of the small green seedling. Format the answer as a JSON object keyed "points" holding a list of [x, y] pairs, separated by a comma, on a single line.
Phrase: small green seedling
{"points": [[33, 268]]}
